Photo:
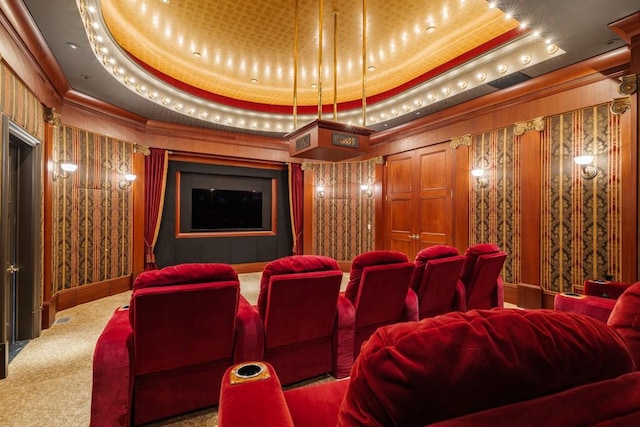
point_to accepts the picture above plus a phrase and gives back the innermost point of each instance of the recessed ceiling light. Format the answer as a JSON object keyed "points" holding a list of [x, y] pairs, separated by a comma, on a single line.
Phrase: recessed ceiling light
{"points": [[73, 46], [166, 1], [525, 59], [431, 28], [371, 68], [502, 68], [481, 76], [196, 54], [254, 81]]}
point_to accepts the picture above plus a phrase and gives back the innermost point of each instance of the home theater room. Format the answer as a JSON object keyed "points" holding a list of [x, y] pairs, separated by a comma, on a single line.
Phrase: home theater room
{"points": [[319, 213]]}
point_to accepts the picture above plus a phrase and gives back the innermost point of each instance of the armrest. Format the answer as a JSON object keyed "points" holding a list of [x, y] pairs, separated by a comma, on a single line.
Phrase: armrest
{"points": [[592, 306], [500, 293], [343, 337], [256, 401], [411, 307], [249, 333], [113, 373], [604, 289]]}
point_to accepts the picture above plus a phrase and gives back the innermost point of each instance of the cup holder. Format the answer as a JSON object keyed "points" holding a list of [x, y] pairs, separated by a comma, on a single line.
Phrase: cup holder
{"points": [[251, 371]]}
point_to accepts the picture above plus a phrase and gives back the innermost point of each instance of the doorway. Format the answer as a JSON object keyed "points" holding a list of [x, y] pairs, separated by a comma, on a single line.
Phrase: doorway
{"points": [[20, 244]]}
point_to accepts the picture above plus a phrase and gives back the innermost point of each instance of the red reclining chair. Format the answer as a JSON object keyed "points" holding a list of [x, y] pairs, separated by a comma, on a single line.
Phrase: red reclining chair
{"points": [[308, 326], [481, 276], [379, 290], [482, 367], [166, 352], [436, 281], [598, 300]]}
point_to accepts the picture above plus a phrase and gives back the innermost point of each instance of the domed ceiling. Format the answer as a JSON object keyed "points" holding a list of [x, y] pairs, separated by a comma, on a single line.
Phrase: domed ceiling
{"points": [[242, 65]]}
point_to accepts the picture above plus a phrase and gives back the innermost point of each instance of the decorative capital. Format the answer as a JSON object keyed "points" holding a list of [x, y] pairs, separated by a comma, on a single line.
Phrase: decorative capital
{"points": [[377, 160], [535, 124], [628, 84], [620, 105], [51, 117], [137, 148], [305, 165], [463, 140]]}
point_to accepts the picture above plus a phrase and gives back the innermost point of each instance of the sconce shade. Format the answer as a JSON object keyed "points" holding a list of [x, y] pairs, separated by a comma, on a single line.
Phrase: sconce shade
{"points": [[68, 167], [329, 141], [129, 177], [477, 172], [583, 160]]}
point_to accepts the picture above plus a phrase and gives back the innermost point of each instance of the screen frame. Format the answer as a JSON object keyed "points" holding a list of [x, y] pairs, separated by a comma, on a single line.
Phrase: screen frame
{"points": [[183, 205]]}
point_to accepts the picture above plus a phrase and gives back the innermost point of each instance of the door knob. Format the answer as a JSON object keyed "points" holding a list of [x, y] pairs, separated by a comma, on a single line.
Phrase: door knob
{"points": [[13, 269]]}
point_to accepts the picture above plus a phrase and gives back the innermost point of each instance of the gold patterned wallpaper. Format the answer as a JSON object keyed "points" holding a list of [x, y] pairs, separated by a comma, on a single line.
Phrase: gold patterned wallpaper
{"points": [[20, 104], [344, 219], [92, 215], [580, 219]]}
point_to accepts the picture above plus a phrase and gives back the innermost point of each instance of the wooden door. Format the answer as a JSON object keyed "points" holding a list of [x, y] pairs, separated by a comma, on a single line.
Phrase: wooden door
{"points": [[419, 199]]}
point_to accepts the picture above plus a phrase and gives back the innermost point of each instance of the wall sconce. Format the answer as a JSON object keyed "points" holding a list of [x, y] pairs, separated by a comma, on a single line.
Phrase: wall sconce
{"points": [[320, 191], [482, 180], [588, 171], [366, 190], [126, 182], [67, 168]]}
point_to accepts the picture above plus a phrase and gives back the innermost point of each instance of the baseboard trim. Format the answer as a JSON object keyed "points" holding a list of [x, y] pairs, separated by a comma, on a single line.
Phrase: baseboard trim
{"points": [[71, 297]]}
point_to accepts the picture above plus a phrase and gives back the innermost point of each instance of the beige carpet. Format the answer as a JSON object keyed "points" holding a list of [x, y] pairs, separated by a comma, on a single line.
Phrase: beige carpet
{"points": [[49, 382]]}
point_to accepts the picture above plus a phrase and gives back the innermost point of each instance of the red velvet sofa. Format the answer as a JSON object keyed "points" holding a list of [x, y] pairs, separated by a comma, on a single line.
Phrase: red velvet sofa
{"points": [[379, 290], [598, 300], [436, 281], [480, 368], [166, 352]]}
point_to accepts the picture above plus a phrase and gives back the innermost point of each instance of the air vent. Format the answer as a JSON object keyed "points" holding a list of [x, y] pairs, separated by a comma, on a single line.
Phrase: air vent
{"points": [[510, 80]]}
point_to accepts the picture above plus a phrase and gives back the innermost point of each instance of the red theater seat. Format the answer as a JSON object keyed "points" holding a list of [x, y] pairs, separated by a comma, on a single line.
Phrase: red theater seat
{"points": [[598, 300], [436, 281], [379, 290], [481, 276], [165, 354], [308, 326]]}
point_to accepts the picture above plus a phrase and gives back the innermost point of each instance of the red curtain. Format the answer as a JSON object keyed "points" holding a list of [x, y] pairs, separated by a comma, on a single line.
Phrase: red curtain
{"points": [[155, 169], [296, 201]]}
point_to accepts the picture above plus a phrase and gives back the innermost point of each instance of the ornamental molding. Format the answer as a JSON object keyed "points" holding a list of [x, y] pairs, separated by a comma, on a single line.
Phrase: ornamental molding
{"points": [[628, 84], [537, 124], [620, 105], [462, 140], [137, 148], [51, 117]]}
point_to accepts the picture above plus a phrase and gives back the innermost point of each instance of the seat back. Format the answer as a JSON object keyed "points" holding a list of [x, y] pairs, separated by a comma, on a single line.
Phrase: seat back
{"points": [[625, 319], [301, 307], [298, 304], [183, 321], [378, 285], [183, 315], [481, 276], [436, 281]]}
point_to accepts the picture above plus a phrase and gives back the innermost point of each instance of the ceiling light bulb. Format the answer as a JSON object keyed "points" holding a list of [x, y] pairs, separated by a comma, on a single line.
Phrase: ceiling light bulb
{"points": [[523, 25], [481, 77], [446, 90], [536, 33], [551, 49], [508, 15], [431, 97], [502, 68], [462, 84], [492, 5], [525, 59]]}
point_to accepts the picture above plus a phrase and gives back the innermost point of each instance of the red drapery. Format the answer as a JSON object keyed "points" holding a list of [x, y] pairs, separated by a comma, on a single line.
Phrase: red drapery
{"points": [[155, 169], [296, 201]]}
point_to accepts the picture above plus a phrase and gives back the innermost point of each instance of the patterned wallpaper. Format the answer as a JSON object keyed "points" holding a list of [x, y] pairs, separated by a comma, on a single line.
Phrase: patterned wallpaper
{"points": [[580, 219], [92, 215], [495, 209], [20, 104], [344, 219]]}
